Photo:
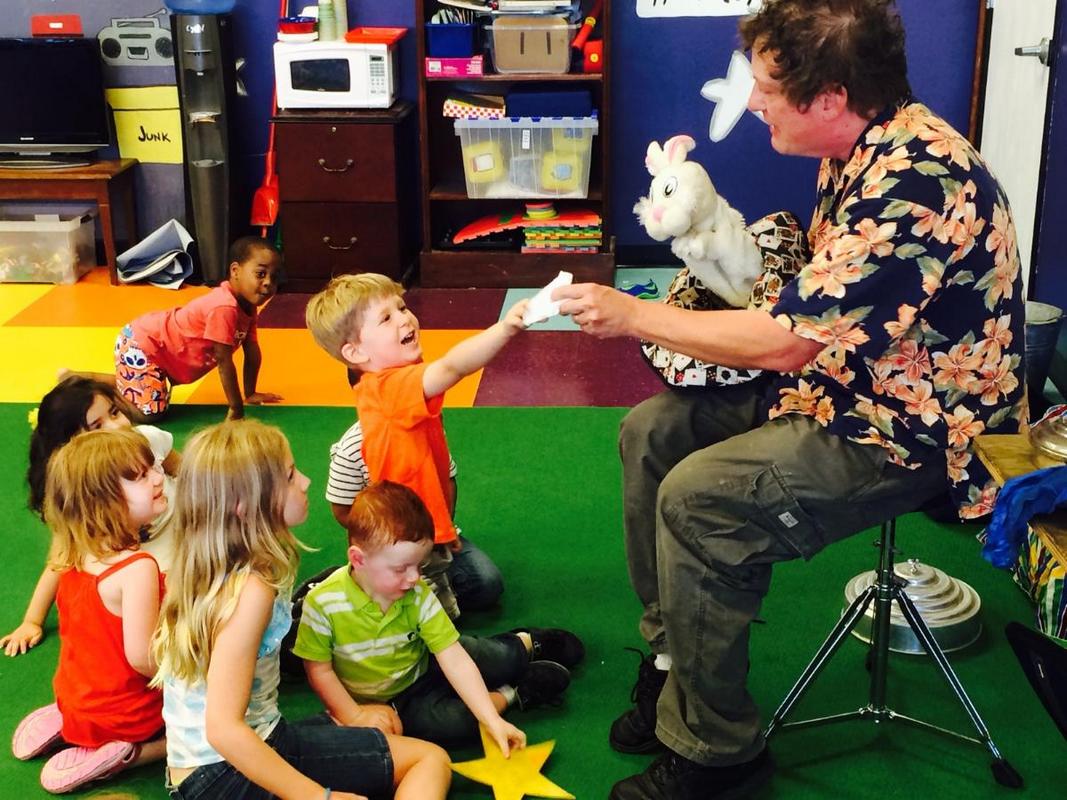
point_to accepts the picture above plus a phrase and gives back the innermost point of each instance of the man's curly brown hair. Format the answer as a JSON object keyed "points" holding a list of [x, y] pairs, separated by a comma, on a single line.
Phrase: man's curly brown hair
{"points": [[819, 45]]}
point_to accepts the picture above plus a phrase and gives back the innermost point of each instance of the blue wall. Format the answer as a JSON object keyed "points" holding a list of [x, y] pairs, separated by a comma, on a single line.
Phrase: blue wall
{"points": [[666, 62], [660, 66]]}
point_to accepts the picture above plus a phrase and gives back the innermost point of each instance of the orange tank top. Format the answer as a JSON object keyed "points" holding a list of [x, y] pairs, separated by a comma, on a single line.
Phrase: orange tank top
{"points": [[102, 698]]}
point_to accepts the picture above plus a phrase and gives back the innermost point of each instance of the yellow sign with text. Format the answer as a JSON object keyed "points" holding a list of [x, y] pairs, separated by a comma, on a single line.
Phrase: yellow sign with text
{"points": [[147, 123]]}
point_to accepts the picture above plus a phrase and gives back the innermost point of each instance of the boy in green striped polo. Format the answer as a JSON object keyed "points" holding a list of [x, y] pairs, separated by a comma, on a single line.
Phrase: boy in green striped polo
{"points": [[368, 630]]}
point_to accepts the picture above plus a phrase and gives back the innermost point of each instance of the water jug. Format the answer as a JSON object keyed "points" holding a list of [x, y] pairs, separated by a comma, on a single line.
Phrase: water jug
{"points": [[199, 6]]}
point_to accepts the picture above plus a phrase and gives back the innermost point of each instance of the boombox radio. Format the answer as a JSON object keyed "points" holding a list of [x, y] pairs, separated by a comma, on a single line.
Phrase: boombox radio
{"points": [[136, 42]]}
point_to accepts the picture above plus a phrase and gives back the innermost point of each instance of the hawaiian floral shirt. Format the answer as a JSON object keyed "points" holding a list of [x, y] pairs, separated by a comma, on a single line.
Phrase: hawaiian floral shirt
{"points": [[914, 288]]}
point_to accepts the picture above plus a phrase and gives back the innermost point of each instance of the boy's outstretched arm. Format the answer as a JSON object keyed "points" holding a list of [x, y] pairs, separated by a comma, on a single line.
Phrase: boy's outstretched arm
{"points": [[253, 361], [340, 705], [463, 675], [471, 354]]}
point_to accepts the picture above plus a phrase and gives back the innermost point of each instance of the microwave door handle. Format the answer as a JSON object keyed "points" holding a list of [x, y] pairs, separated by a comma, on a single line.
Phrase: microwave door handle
{"points": [[348, 165], [351, 242]]}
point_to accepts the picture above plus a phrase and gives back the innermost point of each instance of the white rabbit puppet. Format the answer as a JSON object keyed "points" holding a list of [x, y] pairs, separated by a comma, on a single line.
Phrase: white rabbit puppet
{"points": [[709, 235]]}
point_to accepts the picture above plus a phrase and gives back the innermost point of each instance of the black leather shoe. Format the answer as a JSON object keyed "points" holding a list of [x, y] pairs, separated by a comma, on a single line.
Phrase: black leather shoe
{"points": [[555, 644], [543, 685], [671, 777], [635, 730]]}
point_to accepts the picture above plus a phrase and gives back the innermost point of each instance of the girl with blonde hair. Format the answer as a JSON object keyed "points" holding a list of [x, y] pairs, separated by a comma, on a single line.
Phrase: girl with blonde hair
{"points": [[101, 491], [219, 636]]}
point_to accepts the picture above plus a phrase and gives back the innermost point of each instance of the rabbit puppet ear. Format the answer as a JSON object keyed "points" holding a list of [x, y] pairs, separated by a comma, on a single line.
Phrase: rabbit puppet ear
{"points": [[655, 158], [677, 147]]}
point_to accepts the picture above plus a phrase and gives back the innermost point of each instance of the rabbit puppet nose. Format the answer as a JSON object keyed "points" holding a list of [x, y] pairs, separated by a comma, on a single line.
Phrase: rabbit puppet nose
{"points": [[657, 213]]}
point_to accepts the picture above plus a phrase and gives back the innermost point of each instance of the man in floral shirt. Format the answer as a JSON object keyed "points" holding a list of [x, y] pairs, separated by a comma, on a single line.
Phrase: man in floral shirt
{"points": [[896, 345]]}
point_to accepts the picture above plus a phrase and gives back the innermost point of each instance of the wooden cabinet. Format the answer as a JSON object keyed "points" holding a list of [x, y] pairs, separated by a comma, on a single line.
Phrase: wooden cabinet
{"points": [[347, 183], [446, 208]]}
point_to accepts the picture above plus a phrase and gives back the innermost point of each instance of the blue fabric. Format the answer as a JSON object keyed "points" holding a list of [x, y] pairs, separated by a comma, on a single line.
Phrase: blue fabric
{"points": [[1021, 498]]}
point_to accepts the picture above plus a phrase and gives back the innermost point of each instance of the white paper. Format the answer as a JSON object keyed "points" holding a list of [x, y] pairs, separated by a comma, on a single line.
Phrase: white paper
{"points": [[541, 305]]}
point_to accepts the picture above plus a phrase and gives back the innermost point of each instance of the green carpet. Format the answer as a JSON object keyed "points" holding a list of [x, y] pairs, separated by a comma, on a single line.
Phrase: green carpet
{"points": [[539, 491]]}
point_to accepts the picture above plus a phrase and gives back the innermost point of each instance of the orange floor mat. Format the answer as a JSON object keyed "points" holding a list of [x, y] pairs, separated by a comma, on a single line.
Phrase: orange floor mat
{"points": [[296, 368], [93, 303]]}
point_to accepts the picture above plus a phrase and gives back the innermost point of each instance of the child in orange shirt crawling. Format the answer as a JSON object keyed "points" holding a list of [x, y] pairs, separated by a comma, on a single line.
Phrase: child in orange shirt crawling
{"points": [[362, 320]]}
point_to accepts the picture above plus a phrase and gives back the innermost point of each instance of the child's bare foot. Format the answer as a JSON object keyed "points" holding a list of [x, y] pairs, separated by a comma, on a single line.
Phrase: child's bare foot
{"points": [[62, 373]]}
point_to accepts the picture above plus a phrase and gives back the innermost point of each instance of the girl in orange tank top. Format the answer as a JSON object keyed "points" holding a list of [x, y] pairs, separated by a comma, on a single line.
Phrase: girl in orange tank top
{"points": [[101, 490]]}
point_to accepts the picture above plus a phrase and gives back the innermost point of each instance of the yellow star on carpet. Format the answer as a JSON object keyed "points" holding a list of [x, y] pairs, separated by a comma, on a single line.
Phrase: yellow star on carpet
{"points": [[515, 777]]}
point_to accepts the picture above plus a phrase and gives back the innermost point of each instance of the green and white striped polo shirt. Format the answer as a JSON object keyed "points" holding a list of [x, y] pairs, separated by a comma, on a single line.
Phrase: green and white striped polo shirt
{"points": [[376, 655]]}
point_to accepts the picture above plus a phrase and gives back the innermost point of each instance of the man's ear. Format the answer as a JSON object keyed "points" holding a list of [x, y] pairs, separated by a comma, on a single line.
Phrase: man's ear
{"points": [[353, 353], [831, 103], [357, 556]]}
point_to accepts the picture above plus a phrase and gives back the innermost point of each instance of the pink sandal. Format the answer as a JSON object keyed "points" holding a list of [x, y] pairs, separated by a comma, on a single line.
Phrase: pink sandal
{"points": [[39, 732], [68, 769]]}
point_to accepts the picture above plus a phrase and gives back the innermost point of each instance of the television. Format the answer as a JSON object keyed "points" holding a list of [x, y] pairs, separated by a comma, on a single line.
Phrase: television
{"points": [[51, 102]]}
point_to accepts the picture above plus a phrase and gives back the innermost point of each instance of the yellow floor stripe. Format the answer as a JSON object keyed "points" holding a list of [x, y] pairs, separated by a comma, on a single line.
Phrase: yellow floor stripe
{"points": [[15, 297]]}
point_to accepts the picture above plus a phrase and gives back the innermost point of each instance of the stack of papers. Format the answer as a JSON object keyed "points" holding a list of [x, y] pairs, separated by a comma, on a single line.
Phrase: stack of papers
{"points": [[461, 105], [550, 238]]}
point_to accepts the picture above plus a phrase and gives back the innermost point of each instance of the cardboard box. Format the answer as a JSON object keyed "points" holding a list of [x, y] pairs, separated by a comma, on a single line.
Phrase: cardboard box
{"points": [[531, 44]]}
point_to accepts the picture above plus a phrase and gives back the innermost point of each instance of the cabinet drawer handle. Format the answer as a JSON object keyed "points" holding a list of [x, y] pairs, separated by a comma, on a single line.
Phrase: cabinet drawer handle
{"points": [[348, 165], [351, 242]]}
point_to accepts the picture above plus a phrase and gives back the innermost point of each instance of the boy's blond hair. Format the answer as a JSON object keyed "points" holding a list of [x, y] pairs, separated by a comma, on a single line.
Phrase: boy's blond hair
{"points": [[335, 314]]}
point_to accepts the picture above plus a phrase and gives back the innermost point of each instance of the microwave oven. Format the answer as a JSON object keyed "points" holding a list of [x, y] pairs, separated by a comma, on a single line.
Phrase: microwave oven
{"points": [[335, 74]]}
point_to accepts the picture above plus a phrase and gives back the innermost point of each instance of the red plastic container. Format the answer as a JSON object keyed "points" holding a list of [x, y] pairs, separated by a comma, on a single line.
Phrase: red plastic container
{"points": [[387, 36], [296, 25]]}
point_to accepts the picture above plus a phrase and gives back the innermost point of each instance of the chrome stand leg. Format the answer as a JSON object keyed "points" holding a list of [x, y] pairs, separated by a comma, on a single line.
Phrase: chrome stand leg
{"points": [[886, 589]]}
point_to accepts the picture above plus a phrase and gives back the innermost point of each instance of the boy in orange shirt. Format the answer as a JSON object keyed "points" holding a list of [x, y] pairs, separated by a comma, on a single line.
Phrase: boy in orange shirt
{"points": [[362, 321]]}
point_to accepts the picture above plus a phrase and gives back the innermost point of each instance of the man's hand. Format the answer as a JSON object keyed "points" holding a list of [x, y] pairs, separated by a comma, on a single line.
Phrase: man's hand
{"points": [[20, 640], [602, 311], [376, 715], [235, 413], [260, 398]]}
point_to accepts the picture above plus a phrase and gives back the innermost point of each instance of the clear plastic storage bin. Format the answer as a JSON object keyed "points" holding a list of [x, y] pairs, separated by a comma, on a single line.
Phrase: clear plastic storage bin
{"points": [[531, 44], [46, 248], [527, 156]]}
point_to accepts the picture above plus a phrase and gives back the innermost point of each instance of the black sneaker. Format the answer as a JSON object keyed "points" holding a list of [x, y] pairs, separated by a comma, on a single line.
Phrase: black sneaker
{"points": [[555, 644], [635, 730], [543, 685], [671, 777]]}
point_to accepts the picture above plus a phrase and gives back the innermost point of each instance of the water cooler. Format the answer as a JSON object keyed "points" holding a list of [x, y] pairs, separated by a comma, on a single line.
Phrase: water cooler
{"points": [[204, 62]]}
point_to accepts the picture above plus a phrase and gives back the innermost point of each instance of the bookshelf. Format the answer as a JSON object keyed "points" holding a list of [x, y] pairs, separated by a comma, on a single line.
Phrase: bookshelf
{"points": [[446, 208]]}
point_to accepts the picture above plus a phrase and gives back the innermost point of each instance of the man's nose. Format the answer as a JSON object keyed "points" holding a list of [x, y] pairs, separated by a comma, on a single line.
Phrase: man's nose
{"points": [[755, 101]]}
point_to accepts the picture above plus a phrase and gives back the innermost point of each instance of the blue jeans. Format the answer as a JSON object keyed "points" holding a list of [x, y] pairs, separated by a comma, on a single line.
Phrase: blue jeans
{"points": [[431, 709], [345, 759], [475, 579]]}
